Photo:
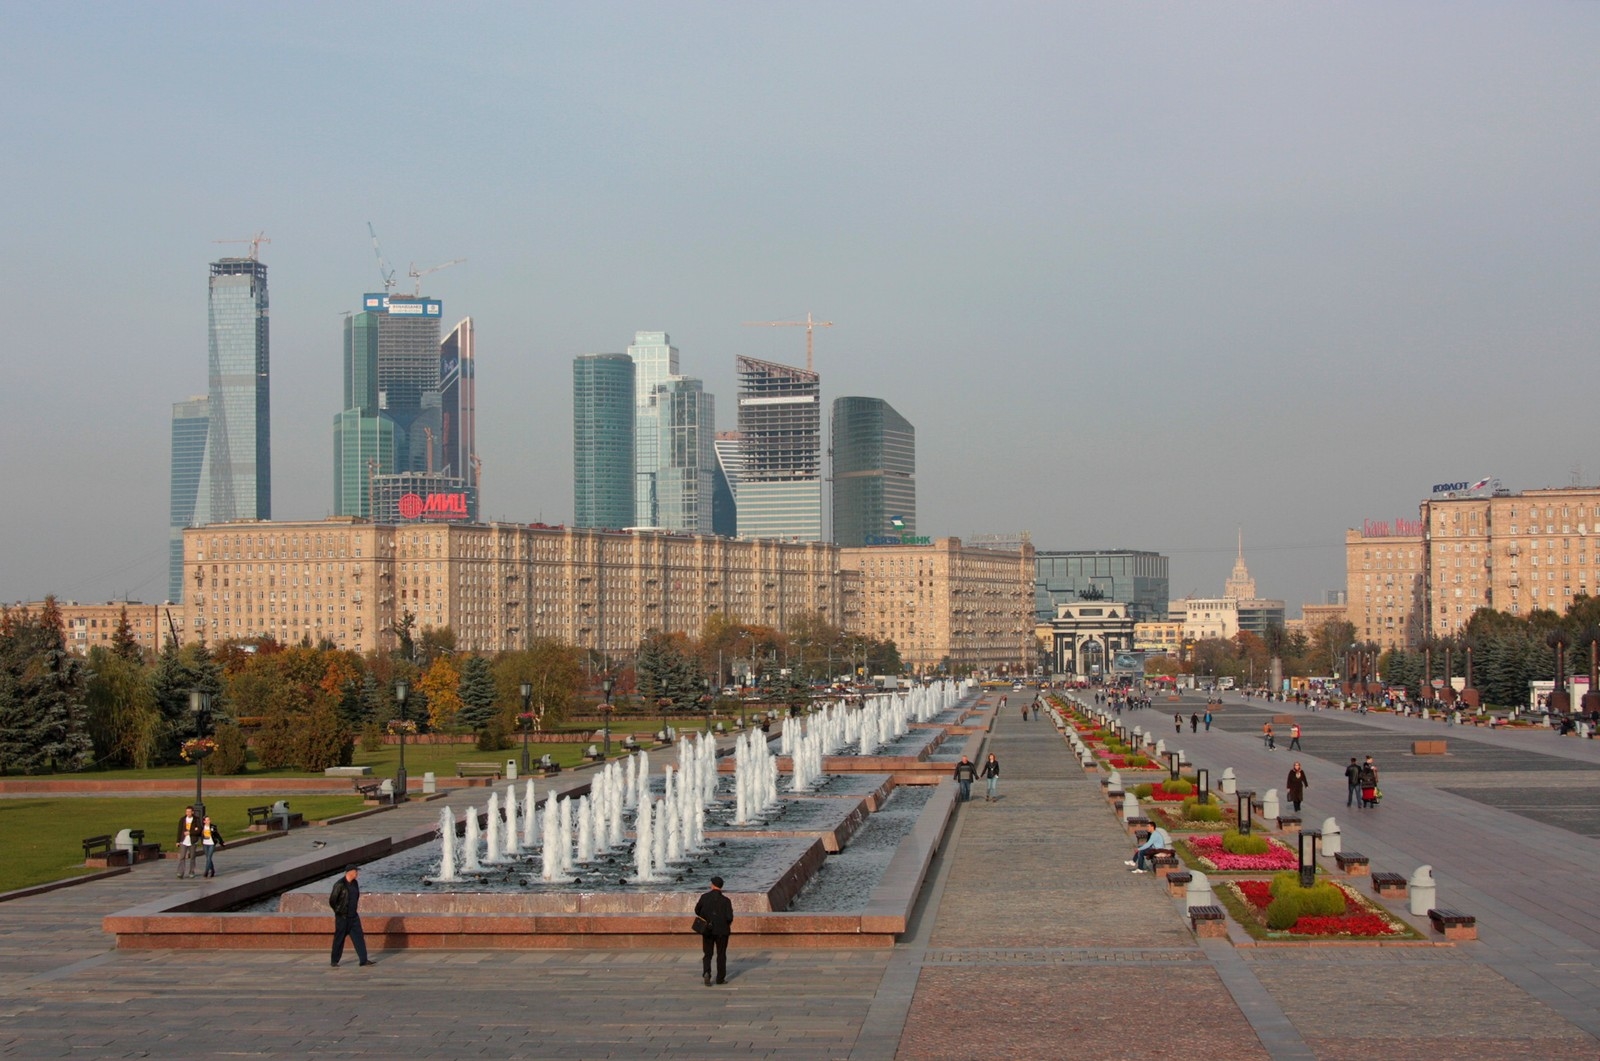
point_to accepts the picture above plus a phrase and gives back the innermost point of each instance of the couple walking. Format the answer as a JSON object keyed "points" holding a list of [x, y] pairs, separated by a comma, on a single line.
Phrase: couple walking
{"points": [[967, 772]]}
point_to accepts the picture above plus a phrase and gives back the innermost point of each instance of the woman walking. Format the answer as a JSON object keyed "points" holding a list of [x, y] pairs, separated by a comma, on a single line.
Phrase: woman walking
{"points": [[1296, 785], [210, 839], [991, 774]]}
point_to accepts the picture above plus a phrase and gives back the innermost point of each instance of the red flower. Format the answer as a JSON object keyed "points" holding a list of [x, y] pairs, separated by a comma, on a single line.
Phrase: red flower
{"points": [[1347, 925]]}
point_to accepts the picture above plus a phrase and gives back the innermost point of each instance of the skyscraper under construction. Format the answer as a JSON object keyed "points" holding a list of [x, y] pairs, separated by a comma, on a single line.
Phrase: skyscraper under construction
{"points": [[780, 427]]}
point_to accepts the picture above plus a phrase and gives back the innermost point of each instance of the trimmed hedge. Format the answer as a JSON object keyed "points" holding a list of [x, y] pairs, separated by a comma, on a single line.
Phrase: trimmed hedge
{"points": [[1293, 902], [1195, 811], [1236, 843], [1179, 787]]}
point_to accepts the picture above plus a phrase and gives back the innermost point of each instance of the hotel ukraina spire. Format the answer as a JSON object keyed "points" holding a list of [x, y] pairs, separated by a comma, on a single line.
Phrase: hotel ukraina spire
{"points": [[1240, 586]]}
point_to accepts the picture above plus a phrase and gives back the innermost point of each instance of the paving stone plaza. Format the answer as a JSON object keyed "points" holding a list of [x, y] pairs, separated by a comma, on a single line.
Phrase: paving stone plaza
{"points": [[1032, 939]]}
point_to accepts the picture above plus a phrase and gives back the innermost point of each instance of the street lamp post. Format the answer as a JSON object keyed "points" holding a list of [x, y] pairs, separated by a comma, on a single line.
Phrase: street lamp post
{"points": [[200, 704], [526, 720], [401, 689], [606, 685], [710, 702]]}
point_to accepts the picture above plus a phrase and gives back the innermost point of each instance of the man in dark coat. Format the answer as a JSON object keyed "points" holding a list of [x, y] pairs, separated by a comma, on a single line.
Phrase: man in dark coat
{"points": [[346, 902], [716, 910], [966, 774]]}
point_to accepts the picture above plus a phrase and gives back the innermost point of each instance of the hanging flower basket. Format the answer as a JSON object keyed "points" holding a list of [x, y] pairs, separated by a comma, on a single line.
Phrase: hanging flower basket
{"points": [[398, 726], [199, 748]]}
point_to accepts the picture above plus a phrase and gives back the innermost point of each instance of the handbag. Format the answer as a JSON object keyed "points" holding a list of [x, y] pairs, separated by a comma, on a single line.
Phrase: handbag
{"points": [[701, 925]]}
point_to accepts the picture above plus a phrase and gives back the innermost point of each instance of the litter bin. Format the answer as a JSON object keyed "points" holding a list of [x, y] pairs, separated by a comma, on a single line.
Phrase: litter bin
{"points": [[511, 769], [430, 784], [1421, 891]]}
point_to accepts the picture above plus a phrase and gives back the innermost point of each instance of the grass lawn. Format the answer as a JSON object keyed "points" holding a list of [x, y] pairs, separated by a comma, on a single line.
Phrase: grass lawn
{"points": [[44, 836]]}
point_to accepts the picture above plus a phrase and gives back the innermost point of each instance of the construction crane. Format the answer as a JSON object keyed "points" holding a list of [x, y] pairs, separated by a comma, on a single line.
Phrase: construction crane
{"points": [[427, 432], [383, 266], [255, 243], [808, 324], [412, 272]]}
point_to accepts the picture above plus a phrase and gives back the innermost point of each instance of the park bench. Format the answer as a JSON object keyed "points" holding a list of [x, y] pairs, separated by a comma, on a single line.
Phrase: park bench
{"points": [[1389, 885], [1209, 921], [273, 816], [1163, 860], [548, 766], [480, 769], [376, 791], [594, 755], [1453, 924], [629, 743], [1353, 862], [1288, 823], [97, 850], [1178, 882]]}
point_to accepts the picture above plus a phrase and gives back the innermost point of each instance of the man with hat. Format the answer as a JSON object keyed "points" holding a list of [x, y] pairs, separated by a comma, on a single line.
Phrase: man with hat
{"points": [[346, 902], [716, 910]]}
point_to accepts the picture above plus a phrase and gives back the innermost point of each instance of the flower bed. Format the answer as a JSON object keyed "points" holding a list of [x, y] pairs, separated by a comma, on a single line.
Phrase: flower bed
{"points": [[1207, 851], [1172, 819], [1248, 901]]}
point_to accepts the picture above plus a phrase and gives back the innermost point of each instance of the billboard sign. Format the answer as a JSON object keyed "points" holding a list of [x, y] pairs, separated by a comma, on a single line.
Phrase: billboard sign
{"points": [[451, 505]]}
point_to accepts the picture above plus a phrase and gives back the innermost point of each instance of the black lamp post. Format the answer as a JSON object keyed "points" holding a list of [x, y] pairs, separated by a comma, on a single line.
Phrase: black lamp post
{"points": [[710, 703], [200, 704], [1202, 785], [1308, 840], [606, 685], [1172, 765], [401, 689], [527, 721], [1246, 809]]}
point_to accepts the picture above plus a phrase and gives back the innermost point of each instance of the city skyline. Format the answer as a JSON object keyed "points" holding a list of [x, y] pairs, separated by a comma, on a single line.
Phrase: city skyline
{"points": [[1173, 273]]}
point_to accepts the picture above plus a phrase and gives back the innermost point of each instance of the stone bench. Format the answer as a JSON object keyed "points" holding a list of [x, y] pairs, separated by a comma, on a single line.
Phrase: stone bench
{"points": [[97, 850], [1178, 882], [1428, 747], [1288, 823], [1209, 922], [1453, 924], [347, 771], [1137, 822], [1389, 885], [1163, 860], [1353, 862], [494, 770]]}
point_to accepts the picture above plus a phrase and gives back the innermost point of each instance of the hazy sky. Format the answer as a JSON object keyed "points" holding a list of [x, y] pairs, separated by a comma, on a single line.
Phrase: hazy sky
{"points": [[1139, 273]]}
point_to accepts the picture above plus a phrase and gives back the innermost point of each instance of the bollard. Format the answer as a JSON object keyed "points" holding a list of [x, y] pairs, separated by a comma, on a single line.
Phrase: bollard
{"points": [[430, 784], [1269, 804], [1229, 783], [1422, 891], [1330, 838]]}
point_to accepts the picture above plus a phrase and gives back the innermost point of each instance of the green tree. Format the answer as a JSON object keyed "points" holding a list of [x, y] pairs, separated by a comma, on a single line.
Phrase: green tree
{"points": [[43, 716], [477, 693], [123, 643], [124, 721], [553, 671]]}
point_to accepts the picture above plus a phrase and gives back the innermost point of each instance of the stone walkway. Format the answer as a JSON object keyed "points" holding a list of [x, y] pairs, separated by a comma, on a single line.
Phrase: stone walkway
{"points": [[1032, 940]]}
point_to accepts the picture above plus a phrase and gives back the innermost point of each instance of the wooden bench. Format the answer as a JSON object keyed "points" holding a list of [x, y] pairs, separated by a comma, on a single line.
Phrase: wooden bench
{"points": [[594, 755], [1354, 863], [494, 770], [1389, 885], [379, 791], [97, 850], [1288, 823], [1209, 922], [268, 818], [1178, 882], [1137, 822], [1453, 924], [1163, 860]]}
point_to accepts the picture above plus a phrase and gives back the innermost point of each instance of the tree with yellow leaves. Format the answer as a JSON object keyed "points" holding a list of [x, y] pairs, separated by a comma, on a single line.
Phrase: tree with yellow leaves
{"points": [[442, 684]]}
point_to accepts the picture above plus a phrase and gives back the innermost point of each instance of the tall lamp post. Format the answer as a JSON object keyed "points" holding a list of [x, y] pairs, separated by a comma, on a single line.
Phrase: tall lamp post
{"points": [[200, 704], [606, 685], [401, 689], [526, 720]]}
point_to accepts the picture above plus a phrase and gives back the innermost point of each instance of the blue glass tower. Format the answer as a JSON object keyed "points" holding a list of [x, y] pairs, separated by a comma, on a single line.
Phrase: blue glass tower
{"points": [[239, 441], [602, 440], [191, 483]]}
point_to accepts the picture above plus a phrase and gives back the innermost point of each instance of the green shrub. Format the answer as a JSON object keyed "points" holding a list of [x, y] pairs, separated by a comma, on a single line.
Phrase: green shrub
{"points": [[1201, 812], [1293, 903], [232, 752], [1236, 843], [1179, 787], [1143, 791], [1138, 760]]}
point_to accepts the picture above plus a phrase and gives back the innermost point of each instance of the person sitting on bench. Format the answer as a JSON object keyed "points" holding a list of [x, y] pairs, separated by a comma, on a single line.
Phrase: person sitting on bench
{"points": [[1158, 841]]}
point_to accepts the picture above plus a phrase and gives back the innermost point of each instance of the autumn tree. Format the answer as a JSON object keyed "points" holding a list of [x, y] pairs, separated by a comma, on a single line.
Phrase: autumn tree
{"points": [[441, 684]]}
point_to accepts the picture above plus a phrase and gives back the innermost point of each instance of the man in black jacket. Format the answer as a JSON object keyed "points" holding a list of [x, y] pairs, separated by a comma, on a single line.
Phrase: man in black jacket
{"points": [[716, 910], [346, 902]]}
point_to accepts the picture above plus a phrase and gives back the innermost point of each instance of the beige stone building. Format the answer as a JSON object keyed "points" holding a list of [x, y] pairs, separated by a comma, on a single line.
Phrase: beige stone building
{"points": [[1164, 637], [501, 586], [1383, 587], [88, 625], [1206, 618], [944, 601], [1511, 552]]}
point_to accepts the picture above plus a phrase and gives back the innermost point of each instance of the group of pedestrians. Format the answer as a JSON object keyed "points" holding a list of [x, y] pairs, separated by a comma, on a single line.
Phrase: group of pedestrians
{"points": [[967, 772], [197, 834], [1363, 792]]}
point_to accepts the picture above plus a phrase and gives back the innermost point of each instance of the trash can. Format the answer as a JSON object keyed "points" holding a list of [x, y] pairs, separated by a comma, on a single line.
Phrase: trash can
{"points": [[430, 784], [1330, 838], [1421, 891], [511, 769]]}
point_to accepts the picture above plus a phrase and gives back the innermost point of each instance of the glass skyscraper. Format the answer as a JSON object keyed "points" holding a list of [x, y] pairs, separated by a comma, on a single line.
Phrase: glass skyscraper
{"points": [[874, 472], [190, 504], [686, 474], [779, 492], [602, 440], [239, 443], [655, 361]]}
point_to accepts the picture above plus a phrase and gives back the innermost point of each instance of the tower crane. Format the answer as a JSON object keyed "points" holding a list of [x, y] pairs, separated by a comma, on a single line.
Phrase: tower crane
{"points": [[384, 270], [412, 272], [808, 324], [255, 243]]}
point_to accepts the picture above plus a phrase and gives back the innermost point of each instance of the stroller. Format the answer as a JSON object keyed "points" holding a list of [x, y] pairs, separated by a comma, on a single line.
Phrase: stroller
{"points": [[1370, 795]]}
